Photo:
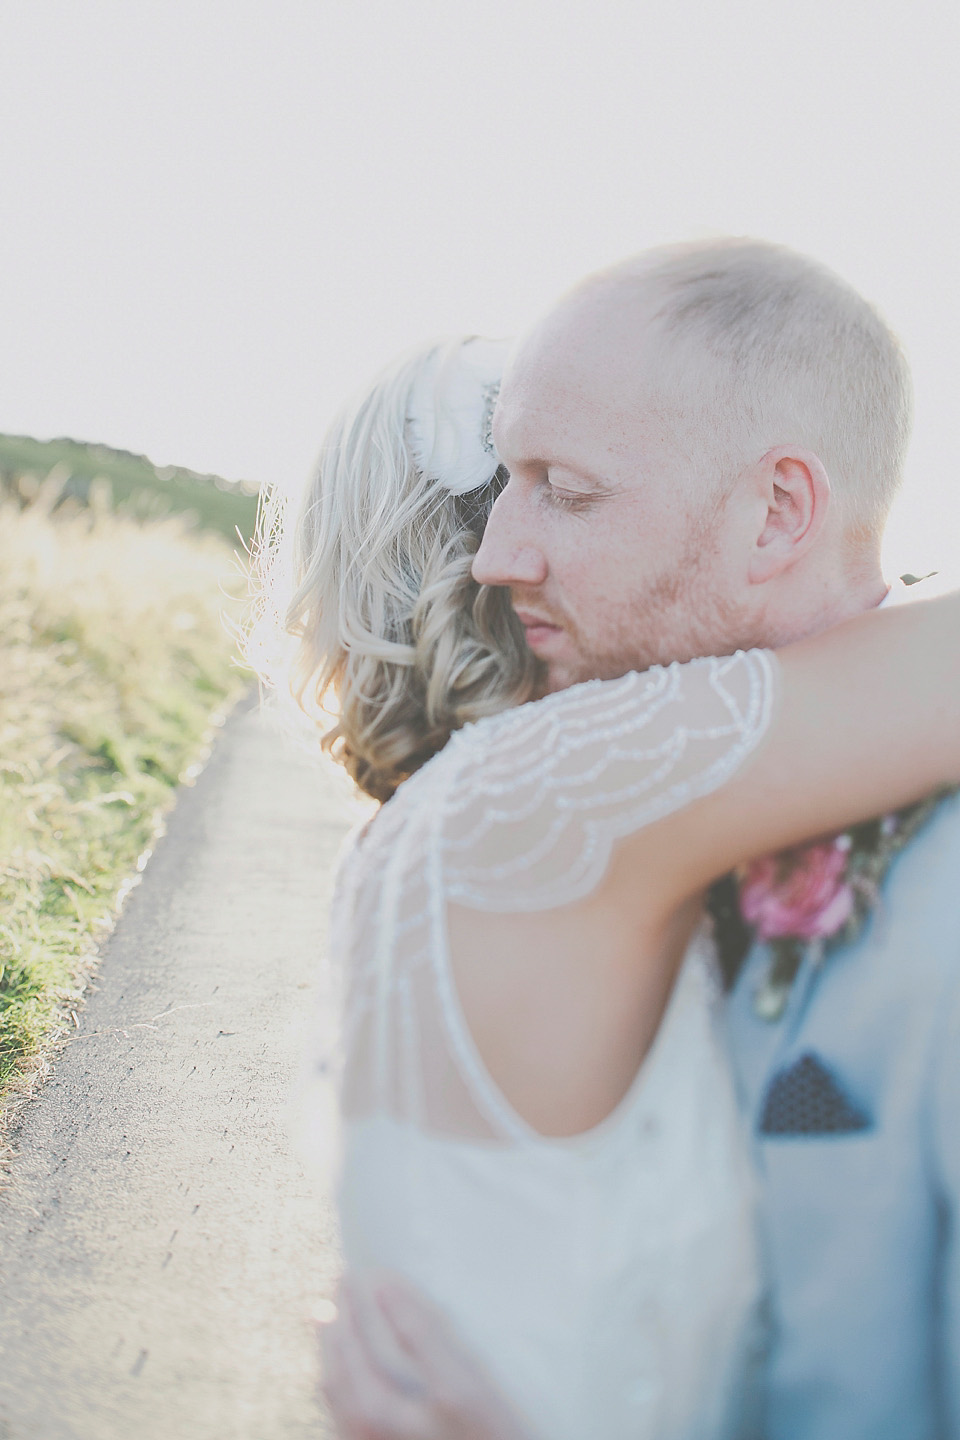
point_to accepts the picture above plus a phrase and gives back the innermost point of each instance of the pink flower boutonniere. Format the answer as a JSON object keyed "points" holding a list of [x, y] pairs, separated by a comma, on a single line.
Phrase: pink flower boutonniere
{"points": [[803, 893], [806, 901]]}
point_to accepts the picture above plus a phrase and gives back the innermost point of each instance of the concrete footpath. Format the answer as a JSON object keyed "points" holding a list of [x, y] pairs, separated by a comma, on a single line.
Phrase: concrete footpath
{"points": [[160, 1245]]}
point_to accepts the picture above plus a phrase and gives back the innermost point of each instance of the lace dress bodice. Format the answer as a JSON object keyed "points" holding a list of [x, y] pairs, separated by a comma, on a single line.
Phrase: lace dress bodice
{"points": [[652, 1245]]}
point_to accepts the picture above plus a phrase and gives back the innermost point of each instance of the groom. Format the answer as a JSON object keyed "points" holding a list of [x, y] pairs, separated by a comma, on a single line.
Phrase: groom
{"points": [[703, 445]]}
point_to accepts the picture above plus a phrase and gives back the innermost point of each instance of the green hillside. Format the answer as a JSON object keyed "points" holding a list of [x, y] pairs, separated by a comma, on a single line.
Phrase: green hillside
{"points": [[136, 486]]}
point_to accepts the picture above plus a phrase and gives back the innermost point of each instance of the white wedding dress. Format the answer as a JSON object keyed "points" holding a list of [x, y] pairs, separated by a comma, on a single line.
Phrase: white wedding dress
{"points": [[608, 1282]]}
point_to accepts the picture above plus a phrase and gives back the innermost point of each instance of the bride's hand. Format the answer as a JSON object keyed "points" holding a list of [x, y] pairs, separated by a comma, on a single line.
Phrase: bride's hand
{"points": [[393, 1370]]}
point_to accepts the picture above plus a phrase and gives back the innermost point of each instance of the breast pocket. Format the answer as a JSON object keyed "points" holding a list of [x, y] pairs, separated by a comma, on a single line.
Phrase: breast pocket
{"points": [[808, 1099]]}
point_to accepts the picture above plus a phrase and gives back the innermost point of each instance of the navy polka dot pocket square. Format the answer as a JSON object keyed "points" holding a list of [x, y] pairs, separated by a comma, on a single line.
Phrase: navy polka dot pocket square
{"points": [[807, 1099]]}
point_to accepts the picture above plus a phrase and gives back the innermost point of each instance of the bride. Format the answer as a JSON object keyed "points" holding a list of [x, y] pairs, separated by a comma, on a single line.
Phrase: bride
{"points": [[539, 1128]]}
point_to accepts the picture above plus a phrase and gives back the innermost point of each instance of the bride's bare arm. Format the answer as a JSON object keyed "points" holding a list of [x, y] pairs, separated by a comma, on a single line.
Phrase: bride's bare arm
{"points": [[866, 718], [679, 773]]}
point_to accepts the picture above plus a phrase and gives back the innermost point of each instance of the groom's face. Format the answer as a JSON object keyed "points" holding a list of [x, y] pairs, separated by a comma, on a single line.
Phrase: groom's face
{"points": [[614, 547]]}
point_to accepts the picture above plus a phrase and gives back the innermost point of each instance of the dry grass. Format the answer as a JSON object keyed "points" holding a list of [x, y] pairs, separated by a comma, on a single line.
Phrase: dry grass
{"points": [[115, 665]]}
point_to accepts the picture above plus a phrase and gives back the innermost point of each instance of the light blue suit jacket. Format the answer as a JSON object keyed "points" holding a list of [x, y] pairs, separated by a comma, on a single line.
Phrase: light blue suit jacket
{"points": [[861, 1228]]}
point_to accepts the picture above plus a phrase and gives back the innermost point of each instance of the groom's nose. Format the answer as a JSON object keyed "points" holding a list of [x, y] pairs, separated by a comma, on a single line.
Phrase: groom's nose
{"points": [[509, 553]]}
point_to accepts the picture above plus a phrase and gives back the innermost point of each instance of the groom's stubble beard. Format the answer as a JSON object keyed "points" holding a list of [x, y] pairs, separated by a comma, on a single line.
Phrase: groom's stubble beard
{"points": [[682, 612]]}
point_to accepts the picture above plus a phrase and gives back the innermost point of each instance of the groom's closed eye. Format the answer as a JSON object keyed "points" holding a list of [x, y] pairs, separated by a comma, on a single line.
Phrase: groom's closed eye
{"points": [[565, 499], [560, 493], [572, 491]]}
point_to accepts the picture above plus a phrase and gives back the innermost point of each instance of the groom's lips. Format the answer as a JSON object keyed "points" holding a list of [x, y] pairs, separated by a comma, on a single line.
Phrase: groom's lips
{"points": [[539, 632]]}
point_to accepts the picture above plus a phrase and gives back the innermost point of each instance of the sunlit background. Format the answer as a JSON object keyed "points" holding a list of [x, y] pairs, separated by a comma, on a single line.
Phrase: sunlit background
{"points": [[221, 215]]}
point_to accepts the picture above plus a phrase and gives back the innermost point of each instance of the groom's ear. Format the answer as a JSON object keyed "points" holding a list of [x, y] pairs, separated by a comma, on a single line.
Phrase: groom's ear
{"points": [[792, 491]]}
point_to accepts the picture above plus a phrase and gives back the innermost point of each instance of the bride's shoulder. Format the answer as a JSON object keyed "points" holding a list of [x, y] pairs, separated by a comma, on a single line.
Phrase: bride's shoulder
{"points": [[569, 706], [601, 709], [586, 728]]}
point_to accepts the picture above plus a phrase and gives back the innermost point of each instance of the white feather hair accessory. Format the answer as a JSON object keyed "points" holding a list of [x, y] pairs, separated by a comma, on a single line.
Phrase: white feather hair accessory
{"points": [[450, 413]]}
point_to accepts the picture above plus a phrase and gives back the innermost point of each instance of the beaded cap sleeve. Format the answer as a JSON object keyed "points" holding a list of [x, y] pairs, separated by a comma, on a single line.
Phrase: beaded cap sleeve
{"points": [[541, 793]]}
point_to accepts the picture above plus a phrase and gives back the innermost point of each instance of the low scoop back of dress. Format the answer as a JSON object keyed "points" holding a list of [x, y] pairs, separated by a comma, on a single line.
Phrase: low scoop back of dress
{"points": [[609, 1282]]}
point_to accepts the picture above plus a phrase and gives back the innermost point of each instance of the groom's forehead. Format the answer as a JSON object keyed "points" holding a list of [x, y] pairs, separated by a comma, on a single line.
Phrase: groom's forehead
{"points": [[598, 350], [562, 407], [539, 418]]}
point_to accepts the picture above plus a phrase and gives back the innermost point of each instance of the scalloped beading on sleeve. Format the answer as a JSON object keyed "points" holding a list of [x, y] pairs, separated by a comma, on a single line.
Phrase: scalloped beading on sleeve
{"points": [[541, 793]]}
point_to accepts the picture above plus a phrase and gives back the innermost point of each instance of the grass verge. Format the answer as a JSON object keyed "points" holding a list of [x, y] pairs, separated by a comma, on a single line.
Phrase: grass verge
{"points": [[115, 669]]}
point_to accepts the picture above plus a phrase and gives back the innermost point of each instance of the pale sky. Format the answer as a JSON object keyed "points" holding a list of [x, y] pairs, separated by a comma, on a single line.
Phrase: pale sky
{"points": [[221, 216]]}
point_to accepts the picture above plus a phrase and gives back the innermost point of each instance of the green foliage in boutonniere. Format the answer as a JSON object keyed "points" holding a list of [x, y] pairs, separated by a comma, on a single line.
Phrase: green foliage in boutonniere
{"points": [[808, 901]]}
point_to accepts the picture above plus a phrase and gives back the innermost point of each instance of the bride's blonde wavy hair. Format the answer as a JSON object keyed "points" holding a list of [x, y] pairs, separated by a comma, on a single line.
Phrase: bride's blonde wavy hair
{"points": [[370, 580]]}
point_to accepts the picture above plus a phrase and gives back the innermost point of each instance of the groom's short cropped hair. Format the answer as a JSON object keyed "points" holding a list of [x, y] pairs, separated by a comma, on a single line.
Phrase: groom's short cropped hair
{"points": [[764, 347]]}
